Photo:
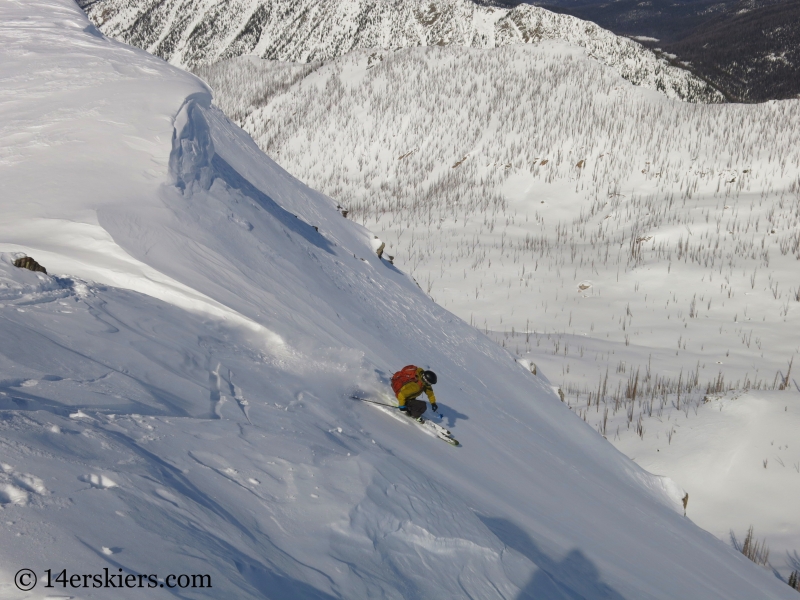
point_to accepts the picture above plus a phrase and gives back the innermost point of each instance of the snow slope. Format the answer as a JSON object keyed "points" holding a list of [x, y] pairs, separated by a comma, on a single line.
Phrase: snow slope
{"points": [[596, 229], [189, 33], [739, 456], [174, 393]]}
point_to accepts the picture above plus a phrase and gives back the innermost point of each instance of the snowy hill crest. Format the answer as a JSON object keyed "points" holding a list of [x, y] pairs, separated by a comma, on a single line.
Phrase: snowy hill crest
{"points": [[192, 34]]}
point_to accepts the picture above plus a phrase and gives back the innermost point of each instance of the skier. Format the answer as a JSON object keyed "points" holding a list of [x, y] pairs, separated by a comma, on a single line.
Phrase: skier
{"points": [[408, 383]]}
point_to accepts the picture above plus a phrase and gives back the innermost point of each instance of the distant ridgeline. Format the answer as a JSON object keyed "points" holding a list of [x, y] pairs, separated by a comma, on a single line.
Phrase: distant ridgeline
{"points": [[314, 30], [753, 56], [749, 49]]}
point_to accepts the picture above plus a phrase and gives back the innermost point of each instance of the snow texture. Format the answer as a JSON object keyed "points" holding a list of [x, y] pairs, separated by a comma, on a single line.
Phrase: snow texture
{"points": [[174, 395]]}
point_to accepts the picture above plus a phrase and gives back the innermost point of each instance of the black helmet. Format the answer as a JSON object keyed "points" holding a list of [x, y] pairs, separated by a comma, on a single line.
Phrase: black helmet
{"points": [[429, 377]]}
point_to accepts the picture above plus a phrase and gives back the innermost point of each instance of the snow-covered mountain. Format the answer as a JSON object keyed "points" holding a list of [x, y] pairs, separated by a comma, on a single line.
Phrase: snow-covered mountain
{"points": [[174, 392], [619, 240], [752, 52], [189, 33]]}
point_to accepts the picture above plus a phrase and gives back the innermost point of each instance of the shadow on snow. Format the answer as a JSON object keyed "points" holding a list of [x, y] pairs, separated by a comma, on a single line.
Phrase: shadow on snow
{"points": [[574, 577]]}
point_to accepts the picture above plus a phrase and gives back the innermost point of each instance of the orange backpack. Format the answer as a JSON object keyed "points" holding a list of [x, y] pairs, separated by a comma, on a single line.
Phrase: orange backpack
{"points": [[403, 376]]}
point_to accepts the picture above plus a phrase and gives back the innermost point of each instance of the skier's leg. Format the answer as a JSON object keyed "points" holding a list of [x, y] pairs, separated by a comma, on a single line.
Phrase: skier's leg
{"points": [[416, 408]]}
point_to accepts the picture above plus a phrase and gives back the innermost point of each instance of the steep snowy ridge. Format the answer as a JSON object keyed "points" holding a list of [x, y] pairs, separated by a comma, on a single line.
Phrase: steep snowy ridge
{"points": [[188, 33], [174, 394]]}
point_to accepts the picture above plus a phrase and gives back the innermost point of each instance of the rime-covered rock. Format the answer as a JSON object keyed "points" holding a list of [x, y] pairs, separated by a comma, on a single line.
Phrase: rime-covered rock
{"points": [[26, 262]]}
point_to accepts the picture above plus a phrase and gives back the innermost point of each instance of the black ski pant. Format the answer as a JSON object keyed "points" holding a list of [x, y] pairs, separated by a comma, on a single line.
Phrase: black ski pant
{"points": [[415, 407]]}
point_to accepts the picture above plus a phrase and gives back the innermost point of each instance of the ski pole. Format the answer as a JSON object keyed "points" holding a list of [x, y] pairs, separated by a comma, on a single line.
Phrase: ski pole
{"points": [[371, 401]]}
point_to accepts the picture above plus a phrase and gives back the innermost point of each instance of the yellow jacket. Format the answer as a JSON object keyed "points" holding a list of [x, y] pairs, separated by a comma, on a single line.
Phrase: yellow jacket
{"points": [[413, 389]]}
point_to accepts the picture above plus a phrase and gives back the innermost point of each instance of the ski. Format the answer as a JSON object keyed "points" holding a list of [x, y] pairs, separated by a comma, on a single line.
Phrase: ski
{"points": [[438, 427], [450, 440], [439, 432]]}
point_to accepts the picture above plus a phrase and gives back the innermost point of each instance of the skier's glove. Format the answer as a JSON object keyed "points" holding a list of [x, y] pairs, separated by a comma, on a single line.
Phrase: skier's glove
{"points": [[435, 407], [403, 408]]}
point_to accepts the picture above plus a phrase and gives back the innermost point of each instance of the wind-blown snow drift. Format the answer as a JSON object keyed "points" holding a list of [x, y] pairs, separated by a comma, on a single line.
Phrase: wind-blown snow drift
{"points": [[174, 400]]}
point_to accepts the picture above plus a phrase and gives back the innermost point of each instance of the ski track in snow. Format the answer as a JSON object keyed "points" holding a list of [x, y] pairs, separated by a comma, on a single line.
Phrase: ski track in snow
{"points": [[123, 455]]}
